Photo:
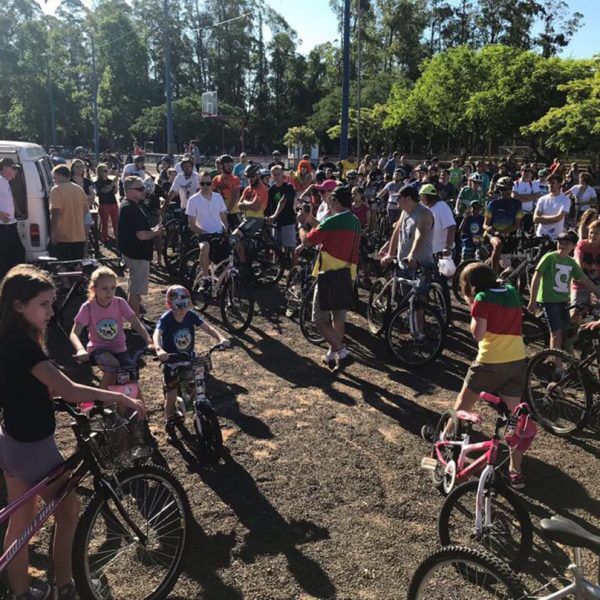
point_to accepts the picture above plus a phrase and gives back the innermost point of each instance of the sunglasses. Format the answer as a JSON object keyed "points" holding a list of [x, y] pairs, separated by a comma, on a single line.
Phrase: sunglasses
{"points": [[206, 183]]}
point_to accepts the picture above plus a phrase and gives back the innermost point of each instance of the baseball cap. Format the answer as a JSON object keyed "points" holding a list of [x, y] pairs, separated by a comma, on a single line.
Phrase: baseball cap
{"points": [[9, 162], [327, 186], [569, 236], [428, 190]]}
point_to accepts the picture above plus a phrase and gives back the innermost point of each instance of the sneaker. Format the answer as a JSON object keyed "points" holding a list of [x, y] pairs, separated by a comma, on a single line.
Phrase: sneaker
{"points": [[40, 590], [343, 362], [516, 480], [207, 286], [329, 362], [289, 312], [66, 592], [172, 424], [428, 433]]}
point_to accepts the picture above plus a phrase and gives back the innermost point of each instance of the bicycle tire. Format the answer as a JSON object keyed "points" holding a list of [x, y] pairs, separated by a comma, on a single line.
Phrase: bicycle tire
{"points": [[456, 279], [293, 289], [190, 275], [438, 476], [308, 327], [268, 263], [208, 433], [171, 246], [435, 297], [408, 350], [561, 404], [482, 576], [508, 515], [378, 309], [167, 501], [236, 302]]}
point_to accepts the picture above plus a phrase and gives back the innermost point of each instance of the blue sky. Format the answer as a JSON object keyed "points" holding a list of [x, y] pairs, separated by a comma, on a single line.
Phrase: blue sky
{"points": [[316, 23]]}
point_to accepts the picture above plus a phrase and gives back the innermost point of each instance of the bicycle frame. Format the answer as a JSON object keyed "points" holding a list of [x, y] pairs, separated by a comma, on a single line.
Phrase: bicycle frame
{"points": [[489, 448]]}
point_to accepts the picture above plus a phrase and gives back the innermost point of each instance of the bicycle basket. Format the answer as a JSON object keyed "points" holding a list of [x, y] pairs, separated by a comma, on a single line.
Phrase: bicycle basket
{"points": [[113, 439]]}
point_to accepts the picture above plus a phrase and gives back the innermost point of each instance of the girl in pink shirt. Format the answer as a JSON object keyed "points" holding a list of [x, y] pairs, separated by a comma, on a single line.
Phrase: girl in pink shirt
{"points": [[103, 314]]}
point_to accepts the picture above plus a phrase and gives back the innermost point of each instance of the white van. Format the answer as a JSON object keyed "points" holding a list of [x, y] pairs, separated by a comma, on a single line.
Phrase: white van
{"points": [[31, 192]]}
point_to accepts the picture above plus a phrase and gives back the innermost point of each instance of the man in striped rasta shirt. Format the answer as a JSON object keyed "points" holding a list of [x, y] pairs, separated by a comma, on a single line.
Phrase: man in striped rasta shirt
{"points": [[339, 240], [500, 367]]}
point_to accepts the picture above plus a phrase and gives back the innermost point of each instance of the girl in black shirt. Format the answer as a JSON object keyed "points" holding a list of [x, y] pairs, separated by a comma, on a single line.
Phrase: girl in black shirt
{"points": [[28, 449]]}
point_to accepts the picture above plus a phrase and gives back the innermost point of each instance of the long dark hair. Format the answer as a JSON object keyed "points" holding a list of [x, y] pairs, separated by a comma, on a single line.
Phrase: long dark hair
{"points": [[22, 283]]}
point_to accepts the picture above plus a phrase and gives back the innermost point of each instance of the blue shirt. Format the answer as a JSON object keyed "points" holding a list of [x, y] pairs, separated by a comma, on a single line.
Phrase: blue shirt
{"points": [[473, 227], [178, 337], [503, 213]]}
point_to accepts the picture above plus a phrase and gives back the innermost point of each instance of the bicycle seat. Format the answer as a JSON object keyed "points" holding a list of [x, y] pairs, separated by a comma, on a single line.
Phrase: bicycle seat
{"points": [[463, 415], [565, 531]]}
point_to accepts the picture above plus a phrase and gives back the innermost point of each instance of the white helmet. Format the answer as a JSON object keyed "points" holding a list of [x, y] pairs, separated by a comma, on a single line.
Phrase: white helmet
{"points": [[446, 266]]}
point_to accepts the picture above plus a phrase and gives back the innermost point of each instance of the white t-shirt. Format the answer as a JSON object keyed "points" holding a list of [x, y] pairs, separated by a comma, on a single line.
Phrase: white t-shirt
{"points": [[525, 187], [442, 219], [7, 203], [207, 213], [550, 205], [131, 170], [584, 198], [541, 187], [186, 187]]}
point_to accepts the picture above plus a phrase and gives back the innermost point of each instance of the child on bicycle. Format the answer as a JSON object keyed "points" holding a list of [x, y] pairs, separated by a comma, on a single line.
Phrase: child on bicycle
{"points": [[175, 333], [500, 367], [103, 314], [551, 287], [28, 449]]}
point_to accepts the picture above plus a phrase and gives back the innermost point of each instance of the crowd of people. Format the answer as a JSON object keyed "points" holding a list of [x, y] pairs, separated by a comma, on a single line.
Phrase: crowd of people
{"points": [[425, 211]]}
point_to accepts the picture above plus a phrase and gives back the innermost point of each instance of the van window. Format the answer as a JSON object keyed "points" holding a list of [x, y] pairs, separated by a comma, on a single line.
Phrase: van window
{"points": [[19, 192]]}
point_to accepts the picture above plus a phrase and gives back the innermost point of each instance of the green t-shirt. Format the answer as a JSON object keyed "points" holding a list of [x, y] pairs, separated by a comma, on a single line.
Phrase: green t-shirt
{"points": [[466, 196], [557, 272], [456, 176]]}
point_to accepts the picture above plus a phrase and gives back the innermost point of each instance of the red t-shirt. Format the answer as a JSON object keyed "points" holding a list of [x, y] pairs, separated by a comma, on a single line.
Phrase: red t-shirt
{"points": [[260, 193], [226, 185], [361, 213], [588, 256]]}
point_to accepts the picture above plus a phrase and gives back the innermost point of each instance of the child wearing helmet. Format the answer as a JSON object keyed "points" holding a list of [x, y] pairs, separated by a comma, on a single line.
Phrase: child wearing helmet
{"points": [[175, 334]]}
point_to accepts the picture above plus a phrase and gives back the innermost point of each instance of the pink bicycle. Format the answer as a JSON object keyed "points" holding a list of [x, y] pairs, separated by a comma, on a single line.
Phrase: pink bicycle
{"points": [[131, 538], [483, 510]]}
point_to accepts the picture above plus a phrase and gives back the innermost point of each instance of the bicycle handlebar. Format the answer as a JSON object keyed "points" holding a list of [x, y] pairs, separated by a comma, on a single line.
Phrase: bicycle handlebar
{"points": [[184, 357], [91, 362]]}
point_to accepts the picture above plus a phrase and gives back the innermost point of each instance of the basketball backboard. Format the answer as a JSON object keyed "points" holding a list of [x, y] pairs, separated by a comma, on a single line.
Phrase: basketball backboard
{"points": [[209, 104]]}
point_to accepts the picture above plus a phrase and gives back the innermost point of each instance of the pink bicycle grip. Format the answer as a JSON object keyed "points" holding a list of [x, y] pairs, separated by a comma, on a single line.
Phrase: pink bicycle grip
{"points": [[490, 398], [84, 406]]}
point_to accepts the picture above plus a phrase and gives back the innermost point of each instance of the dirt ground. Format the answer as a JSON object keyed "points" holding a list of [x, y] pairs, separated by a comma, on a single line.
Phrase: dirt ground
{"points": [[321, 494]]}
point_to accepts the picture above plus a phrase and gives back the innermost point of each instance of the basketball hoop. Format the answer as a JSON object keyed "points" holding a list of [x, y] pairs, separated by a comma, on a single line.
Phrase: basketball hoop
{"points": [[209, 104]]}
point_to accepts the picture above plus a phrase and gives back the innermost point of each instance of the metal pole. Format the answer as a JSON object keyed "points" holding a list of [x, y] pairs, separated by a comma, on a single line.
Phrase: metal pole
{"points": [[168, 86], [95, 98], [358, 82], [345, 82]]}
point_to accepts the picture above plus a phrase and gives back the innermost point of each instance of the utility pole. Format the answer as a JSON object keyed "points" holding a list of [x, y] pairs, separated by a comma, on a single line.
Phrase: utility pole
{"points": [[168, 86], [345, 82], [358, 82], [95, 97]]}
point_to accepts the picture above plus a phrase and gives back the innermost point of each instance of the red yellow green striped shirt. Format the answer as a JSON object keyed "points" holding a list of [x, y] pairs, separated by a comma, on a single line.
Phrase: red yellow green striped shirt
{"points": [[503, 340]]}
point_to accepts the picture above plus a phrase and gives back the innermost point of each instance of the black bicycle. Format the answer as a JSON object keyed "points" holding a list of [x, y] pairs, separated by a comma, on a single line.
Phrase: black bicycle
{"points": [[299, 281]]}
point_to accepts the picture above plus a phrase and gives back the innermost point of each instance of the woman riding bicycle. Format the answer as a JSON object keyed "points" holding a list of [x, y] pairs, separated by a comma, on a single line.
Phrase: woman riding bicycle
{"points": [[28, 449]]}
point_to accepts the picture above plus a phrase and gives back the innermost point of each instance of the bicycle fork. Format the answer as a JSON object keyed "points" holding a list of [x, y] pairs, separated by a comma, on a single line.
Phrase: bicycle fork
{"points": [[483, 502]]}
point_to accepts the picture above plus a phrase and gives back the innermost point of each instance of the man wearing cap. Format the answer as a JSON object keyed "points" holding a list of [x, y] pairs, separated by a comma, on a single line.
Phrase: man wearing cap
{"points": [[503, 217], [444, 225], [186, 184], [12, 251], [551, 210], [339, 239], [276, 160], [68, 209], [136, 241]]}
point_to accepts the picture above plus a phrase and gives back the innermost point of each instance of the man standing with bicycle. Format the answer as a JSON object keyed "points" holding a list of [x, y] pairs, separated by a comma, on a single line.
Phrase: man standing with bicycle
{"points": [[335, 269], [12, 251]]}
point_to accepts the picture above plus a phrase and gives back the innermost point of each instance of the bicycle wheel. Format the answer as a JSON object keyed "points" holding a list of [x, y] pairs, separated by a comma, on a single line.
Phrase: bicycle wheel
{"points": [[191, 276], [236, 303], [435, 298], [535, 332], [268, 263], [293, 290], [456, 279], [464, 574], [378, 309], [443, 478], [172, 246], [308, 327], [558, 392], [208, 433], [416, 341], [507, 531], [108, 560]]}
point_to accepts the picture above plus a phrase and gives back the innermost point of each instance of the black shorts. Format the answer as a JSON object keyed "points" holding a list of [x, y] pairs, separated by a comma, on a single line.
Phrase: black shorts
{"points": [[170, 376], [233, 220], [218, 247], [69, 250]]}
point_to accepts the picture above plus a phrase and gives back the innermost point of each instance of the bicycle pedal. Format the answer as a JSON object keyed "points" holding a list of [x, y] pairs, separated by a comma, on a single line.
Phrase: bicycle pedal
{"points": [[428, 463]]}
